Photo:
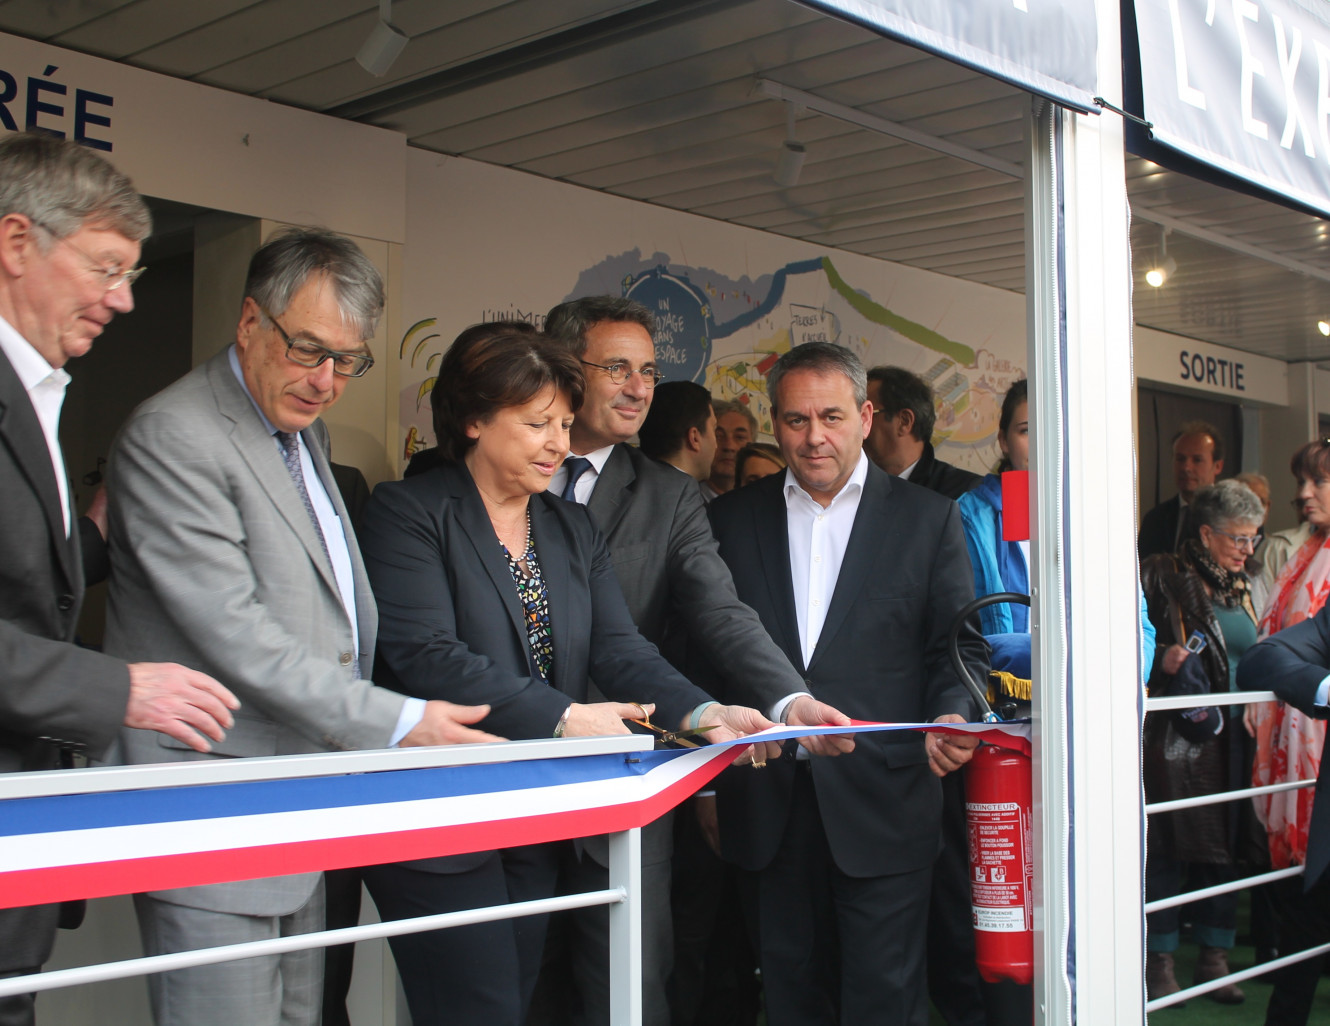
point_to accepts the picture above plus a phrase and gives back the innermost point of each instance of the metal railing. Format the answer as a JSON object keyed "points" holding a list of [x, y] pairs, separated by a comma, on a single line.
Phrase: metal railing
{"points": [[623, 895], [1173, 703]]}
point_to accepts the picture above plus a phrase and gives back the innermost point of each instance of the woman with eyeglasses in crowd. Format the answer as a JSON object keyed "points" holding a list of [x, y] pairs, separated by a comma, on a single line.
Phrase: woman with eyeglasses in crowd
{"points": [[1199, 601]]}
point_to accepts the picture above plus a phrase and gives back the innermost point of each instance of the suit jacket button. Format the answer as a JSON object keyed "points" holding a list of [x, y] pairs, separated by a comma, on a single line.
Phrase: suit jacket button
{"points": [[345, 659], [65, 603]]}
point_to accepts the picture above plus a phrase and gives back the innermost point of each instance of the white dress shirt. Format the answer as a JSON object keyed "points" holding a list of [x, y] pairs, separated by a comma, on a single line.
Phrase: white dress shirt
{"points": [[586, 483], [45, 386], [818, 538], [904, 475], [334, 536]]}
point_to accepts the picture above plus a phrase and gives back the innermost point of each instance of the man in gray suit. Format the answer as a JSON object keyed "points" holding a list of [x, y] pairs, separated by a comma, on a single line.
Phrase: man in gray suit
{"points": [[232, 550], [680, 595], [70, 228]]}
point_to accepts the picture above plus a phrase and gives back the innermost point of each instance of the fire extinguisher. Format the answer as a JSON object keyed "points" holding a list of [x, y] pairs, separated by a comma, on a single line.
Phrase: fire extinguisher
{"points": [[998, 803]]}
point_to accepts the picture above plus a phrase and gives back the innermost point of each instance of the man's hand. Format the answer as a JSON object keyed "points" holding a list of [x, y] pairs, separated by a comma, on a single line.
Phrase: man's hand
{"points": [[807, 711], [732, 721], [97, 511], [179, 702], [448, 724], [949, 752]]}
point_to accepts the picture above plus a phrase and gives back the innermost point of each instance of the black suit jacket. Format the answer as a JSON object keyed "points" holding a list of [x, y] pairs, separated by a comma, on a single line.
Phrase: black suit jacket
{"points": [[49, 688], [451, 625], [1293, 663], [1159, 529], [679, 590], [939, 476], [882, 655]]}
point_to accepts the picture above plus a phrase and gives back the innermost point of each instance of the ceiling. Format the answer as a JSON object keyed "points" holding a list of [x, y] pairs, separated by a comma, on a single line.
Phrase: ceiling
{"points": [[660, 100]]}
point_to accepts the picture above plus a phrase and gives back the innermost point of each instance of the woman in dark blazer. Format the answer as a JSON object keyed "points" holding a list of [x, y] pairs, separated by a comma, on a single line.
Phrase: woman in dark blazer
{"points": [[492, 591]]}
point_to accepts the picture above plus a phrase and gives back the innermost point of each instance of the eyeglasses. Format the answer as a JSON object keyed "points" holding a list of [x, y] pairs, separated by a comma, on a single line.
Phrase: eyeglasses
{"points": [[1244, 542], [621, 372], [111, 277], [311, 354]]}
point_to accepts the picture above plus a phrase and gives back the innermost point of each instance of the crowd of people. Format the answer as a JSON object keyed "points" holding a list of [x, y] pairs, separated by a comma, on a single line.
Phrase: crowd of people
{"points": [[1226, 604], [537, 575], [533, 576]]}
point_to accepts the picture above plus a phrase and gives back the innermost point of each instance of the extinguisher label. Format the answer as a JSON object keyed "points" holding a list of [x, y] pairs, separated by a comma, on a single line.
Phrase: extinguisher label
{"points": [[999, 869]]}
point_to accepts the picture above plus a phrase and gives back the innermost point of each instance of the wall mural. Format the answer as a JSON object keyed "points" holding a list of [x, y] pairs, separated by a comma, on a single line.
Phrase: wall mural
{"points": [[725, 330]]}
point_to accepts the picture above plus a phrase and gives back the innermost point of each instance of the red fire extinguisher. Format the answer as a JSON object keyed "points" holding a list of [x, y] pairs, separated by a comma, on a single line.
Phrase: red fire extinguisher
{"points": [[998, 800]]}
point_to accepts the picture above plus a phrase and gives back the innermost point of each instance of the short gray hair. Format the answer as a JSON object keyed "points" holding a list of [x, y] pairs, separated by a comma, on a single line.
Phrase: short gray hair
{"points": [[724, 406], [1228, 502], [62, 186], [568, 322], [283, 264], [824, 358]]}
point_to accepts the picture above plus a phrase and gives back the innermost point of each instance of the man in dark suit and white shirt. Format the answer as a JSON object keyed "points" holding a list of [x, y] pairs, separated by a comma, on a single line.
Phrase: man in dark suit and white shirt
{"points": [[858, 576], [1295, 664], [1198, 460], [675, 583], [70, 232]]}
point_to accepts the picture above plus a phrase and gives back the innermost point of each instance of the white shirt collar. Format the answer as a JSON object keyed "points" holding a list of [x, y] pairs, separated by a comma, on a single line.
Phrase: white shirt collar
{"points": [[855, 484], [904, 475], [234, 357], [598, 457], [31, 367]]}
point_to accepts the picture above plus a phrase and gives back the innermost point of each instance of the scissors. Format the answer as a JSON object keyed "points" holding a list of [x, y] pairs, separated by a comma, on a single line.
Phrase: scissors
{"points": [[671, 737]]}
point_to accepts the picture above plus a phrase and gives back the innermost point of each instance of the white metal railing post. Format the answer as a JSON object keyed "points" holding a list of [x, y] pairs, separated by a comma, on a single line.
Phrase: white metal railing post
{"points": [[626, 929]]}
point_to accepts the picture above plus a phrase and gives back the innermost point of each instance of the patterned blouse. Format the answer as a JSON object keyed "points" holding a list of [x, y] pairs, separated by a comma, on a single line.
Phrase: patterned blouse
{"points": [[535, 606]]}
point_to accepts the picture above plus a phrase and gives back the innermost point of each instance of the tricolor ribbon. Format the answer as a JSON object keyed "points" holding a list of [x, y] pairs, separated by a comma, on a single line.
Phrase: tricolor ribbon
{"points": [[118, 842]]}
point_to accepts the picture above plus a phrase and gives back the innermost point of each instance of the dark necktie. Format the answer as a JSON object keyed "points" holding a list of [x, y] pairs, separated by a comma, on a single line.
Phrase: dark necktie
{"points": [[576, 467], [291, 455]]}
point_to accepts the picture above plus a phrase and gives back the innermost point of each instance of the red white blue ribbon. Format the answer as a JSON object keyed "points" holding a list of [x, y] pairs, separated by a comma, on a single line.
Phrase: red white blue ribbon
{"points": [[93, 845]]}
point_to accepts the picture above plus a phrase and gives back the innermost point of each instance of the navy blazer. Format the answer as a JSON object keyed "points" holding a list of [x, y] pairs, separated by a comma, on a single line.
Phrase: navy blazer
{"points": [[1292, 664], [882, 655], [451, 625]]}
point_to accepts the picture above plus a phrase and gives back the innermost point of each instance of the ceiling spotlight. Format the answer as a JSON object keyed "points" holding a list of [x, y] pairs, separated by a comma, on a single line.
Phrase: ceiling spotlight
{"points": [[384, 44], [790, 163], [1165, 269], [1323, 327]]}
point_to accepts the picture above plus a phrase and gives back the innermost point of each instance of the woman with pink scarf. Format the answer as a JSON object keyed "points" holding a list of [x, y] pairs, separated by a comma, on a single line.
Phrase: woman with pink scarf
{"points": [[1288, 743]]}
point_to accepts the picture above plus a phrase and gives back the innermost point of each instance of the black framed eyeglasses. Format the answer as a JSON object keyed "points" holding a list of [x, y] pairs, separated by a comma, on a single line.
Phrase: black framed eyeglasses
{"points": [[111, 277], [311, 354], [621, 372], [1244, 542]]}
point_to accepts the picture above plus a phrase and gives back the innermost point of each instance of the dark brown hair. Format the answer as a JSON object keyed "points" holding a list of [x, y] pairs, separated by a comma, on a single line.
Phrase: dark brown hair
{"points": [[484, 372], [1312, 461]]}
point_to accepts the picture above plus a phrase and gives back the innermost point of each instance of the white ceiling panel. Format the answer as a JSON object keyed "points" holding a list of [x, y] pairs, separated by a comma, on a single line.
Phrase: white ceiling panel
{"points": [[655, 100]]}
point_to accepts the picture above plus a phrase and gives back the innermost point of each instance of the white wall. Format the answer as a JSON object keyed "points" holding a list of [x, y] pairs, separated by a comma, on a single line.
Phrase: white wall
{"points": [[485, 243]]}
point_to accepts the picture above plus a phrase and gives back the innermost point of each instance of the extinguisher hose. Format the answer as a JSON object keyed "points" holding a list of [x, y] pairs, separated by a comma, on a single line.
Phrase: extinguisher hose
{"points": [[977, 690]]}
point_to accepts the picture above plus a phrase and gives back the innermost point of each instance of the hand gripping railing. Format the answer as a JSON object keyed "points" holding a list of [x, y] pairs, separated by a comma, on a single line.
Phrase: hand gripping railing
{"points": [[623, 896], [1176, 702]]}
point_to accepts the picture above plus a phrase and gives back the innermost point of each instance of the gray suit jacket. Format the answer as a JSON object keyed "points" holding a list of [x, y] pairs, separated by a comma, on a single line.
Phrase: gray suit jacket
{"points": [[216, 565], [680, 592], [49, 688]]}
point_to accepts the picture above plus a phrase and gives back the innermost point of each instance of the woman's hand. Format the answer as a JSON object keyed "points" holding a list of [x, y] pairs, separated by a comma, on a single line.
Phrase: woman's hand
{"points": [[602, 718], [1174, 657], [1249, 714]]}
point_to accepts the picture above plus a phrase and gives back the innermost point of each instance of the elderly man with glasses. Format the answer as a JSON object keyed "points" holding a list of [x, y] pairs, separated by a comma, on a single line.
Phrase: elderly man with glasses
{"points": [[70, 226], [232, 550]]}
